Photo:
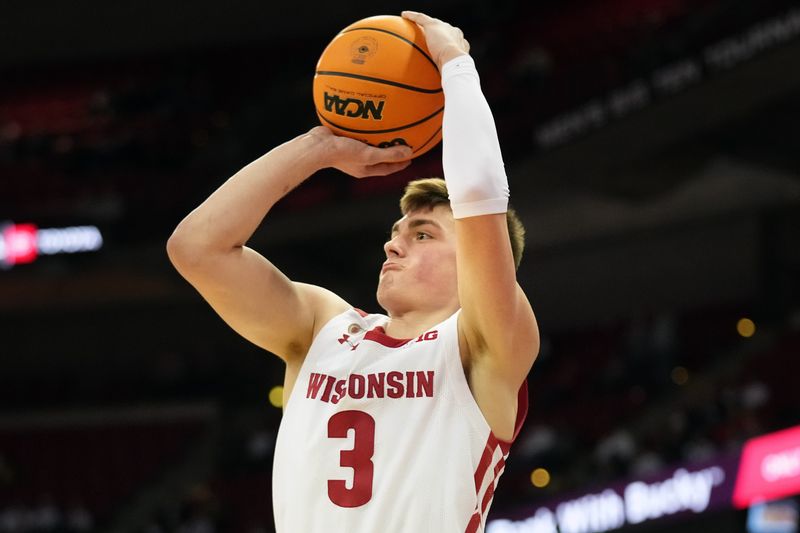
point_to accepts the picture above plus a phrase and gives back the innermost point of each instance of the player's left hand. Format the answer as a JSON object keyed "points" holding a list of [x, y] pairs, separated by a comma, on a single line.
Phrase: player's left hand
{"points": [[358, 158], [444, 41]]}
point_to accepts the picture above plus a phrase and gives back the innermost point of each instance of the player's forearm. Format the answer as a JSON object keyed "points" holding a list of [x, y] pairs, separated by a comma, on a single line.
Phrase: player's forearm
{"points": [[471, 157], [230, 216]]}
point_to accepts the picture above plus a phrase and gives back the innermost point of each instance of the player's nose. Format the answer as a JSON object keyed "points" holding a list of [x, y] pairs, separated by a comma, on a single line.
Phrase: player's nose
{"points": [[394, 247]]}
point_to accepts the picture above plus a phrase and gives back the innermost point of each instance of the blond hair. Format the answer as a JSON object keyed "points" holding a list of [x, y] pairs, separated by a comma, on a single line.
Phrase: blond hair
{"points": [[429, 192]]}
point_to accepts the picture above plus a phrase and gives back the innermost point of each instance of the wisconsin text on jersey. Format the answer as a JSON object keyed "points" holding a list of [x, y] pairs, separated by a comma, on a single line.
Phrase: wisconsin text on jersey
{"points": [[395, 384]]}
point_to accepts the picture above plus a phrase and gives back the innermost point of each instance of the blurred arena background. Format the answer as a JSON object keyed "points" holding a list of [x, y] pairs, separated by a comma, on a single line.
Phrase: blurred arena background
{"points": [[653, 153]]}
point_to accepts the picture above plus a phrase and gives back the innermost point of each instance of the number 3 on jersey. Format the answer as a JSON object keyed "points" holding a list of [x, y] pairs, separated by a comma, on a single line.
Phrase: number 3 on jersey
{"points": [[359, 458]]}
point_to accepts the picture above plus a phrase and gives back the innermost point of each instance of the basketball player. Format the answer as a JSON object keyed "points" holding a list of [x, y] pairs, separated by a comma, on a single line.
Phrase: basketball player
{"points": [[393, 423]]}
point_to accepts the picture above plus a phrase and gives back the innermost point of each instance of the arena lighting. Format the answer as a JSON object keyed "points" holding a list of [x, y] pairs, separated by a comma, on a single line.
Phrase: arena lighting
{"points": [[540, 478], [24, 243], [276, 396], [746, 328], [679, 375]]}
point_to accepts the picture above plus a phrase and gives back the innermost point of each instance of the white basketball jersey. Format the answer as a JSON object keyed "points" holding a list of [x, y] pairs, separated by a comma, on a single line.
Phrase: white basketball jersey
{"points": [[382, 435]]}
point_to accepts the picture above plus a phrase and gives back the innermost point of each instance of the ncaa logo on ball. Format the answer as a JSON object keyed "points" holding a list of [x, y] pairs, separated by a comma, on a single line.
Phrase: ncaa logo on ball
{"points": [[362, 49], [354, 107]]}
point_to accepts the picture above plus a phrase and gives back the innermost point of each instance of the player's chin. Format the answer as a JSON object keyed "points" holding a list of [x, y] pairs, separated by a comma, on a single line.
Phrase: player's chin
{"points": [[385, 293]]}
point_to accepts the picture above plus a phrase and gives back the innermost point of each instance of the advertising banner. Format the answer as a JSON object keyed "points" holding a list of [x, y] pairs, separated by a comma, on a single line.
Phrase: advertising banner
{"points": [[678, 492], [769, 468]]}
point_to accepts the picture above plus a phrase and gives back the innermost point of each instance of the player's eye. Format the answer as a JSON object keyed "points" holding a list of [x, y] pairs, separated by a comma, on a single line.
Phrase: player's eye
{"points": [[421, 236]]}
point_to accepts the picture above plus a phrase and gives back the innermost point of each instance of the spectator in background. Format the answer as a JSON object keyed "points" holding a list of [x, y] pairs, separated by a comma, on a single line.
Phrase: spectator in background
{"points": [[78, 519], [46, 517], [260, 445], [199, 514], [616, 451], [14, 518]]}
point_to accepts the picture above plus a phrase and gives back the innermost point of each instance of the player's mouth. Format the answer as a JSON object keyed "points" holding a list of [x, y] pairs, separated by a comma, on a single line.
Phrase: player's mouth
{"points": [[388, 265]]}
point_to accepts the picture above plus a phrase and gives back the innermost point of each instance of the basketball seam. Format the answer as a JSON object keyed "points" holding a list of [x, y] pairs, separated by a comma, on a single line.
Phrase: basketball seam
{"points": [[435, 133], [403, 127], [377, 80], [412, 43]]}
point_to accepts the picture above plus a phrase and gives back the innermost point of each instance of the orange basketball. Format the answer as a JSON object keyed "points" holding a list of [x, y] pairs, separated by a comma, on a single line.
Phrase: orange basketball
{"points": [[376, 82]]}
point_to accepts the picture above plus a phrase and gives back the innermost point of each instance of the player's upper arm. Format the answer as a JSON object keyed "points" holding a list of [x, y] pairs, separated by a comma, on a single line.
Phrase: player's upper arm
{"points": [[497, 319], [255, 298]]}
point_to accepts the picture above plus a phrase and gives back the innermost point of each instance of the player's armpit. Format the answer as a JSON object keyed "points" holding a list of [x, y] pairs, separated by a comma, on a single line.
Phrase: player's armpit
{"points": [[256, 299]]}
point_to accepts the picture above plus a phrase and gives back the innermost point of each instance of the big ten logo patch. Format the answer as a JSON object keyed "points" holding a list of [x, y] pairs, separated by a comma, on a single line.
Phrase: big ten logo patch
{"points": [[354, 107], [429, 336]]}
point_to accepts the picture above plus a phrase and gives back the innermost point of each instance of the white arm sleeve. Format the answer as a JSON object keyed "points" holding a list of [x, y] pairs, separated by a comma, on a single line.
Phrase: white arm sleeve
{"points": [[471, 158]]}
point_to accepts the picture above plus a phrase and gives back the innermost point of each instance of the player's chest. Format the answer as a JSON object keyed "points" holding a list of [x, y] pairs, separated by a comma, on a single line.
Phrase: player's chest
{"points": [[363, 366]]}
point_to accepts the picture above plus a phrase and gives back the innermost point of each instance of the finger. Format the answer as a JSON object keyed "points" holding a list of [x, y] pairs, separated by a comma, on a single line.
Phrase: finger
{"points": [[384, 169], [420, 18], [401, 153], [389, 155]]}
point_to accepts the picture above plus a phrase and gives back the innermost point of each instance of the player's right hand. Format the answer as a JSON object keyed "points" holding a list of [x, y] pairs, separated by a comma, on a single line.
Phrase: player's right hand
{"points": [[357, 158], [445, 41]]}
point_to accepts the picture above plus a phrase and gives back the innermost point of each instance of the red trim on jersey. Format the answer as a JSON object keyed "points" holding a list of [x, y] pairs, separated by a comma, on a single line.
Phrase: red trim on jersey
{"points": [[493, 443], [487, 497], [360, 312], [378, 334], [522, 413], [474, 523], [483, 464]]}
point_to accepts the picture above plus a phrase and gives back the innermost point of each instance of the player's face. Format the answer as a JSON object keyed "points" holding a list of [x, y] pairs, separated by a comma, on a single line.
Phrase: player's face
{"points": [[420, 268]]}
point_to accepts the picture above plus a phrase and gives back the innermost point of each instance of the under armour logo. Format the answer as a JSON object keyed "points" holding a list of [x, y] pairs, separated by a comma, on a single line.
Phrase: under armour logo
{"points": [[346, 339]]}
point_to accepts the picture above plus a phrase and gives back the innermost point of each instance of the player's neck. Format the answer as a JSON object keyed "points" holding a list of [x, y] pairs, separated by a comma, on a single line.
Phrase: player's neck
{"points": [[411, 324]]}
